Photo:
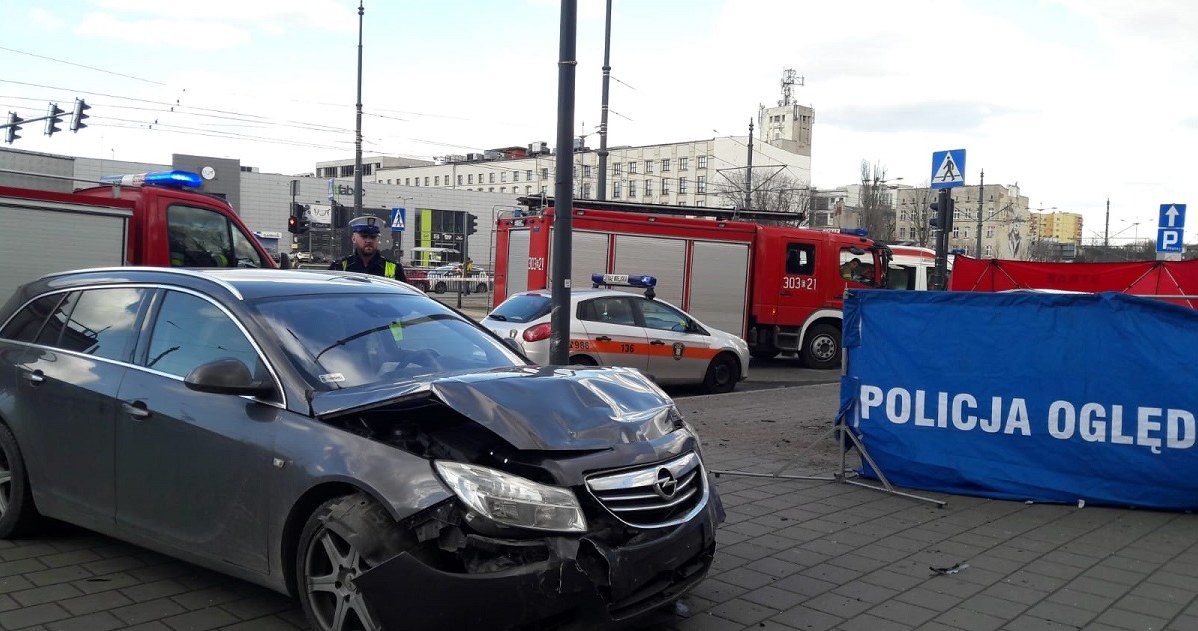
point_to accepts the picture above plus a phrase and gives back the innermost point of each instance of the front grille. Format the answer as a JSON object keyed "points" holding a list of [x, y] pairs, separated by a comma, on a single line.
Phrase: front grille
{"points": [[655, 496]]}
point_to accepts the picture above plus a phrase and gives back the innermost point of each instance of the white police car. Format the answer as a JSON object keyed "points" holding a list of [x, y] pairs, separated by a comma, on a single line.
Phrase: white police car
{"points": [[617, 328]]}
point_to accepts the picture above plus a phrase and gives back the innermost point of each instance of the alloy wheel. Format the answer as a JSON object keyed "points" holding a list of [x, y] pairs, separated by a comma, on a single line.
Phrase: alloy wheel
{"points": [[332, 565]]}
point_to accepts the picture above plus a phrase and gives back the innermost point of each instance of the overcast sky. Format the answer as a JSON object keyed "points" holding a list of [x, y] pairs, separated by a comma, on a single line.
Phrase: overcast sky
{"points": [[1077, 101]]}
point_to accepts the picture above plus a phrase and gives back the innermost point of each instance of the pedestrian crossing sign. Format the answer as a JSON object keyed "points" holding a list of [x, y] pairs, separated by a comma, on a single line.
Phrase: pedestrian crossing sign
{"points": [[948, 168], [397, 219]]}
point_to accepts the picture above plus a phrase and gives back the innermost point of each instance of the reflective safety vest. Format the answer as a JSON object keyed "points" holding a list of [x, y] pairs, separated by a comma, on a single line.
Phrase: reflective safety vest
{"points": [[388, 268]]}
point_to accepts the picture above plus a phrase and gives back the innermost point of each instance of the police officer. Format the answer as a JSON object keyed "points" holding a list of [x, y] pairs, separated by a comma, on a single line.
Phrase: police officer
{"points": [[366, 257]]}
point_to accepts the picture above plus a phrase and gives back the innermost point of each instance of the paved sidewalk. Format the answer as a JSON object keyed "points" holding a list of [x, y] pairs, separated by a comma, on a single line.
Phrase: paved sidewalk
{"points": [[826, 555], [794, 554]]}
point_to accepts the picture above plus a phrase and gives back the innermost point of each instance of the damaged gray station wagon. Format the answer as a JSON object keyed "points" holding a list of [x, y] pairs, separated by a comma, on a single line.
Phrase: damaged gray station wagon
{"points": [[348, 440]]}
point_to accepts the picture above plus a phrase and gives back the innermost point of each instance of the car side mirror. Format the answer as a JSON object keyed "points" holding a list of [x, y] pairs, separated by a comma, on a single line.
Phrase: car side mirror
{"points": [[226, 376], [284, 261]]}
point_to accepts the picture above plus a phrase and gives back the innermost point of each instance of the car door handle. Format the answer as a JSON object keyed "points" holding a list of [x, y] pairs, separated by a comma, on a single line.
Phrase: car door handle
{"points": [[603, 338], [136, 410], [35, 377], [657, 343]]}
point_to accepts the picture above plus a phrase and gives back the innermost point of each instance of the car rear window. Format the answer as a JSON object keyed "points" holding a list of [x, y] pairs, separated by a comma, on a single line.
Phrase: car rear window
{"points": [[524, 308]]}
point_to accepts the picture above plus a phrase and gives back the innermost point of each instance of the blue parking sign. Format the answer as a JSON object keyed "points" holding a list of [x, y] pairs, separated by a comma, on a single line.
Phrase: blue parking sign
{"points": [[1168, 240]]}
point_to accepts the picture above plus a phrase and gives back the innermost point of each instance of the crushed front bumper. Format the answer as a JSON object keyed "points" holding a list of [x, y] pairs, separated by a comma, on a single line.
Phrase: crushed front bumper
{"points": [[582, 580]]}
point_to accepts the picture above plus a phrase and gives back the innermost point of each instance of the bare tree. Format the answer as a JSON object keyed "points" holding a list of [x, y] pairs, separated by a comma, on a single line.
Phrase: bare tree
{"points": [[916, 204], [877, 212], [772, 189], [1043, 250]]}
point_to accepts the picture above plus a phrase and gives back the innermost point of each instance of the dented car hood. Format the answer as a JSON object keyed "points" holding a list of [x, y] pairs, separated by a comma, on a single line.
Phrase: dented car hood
{"points": [[542, 408]]}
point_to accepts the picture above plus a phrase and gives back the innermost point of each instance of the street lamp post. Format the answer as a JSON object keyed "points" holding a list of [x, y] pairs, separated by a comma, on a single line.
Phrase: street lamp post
{"points": [[358, 134], [981, 200]]}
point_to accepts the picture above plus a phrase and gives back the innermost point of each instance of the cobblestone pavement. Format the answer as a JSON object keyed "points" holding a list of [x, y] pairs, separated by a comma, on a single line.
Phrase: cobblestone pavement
{"points": [[794, 554]]}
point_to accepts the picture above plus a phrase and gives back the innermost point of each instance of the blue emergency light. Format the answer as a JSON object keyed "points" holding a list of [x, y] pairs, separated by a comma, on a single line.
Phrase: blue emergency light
{"points": [[860, 232], [625, 280], [170, 179]]}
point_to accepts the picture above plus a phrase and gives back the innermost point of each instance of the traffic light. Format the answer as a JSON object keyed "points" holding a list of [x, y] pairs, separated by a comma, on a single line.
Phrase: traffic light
{"points": [[943, 218], [13, 126], [77, 115], [298, 222], [471, 224], [53, 119]]}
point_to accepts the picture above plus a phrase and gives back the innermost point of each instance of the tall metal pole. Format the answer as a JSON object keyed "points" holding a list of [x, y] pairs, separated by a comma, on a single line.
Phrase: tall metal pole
{"points": [[563, 206], [749, 171], [1106, 238], [603, 116], [981, 196], [358, 132], [940, 273]]}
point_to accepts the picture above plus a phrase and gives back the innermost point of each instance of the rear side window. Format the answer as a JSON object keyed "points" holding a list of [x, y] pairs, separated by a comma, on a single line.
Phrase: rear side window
{"points": [[25, 325], [98, 322], [524, 308], [57, 323], [609, 310]]}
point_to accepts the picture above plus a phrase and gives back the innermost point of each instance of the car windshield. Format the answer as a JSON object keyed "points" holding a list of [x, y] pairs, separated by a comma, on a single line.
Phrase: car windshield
{"points": [[525, 308], [347, 340]]}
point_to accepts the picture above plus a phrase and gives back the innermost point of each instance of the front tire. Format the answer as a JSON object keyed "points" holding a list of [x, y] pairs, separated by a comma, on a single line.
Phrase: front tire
{"points": [[582, 360], [821, 347], [17, 512], [342, 539], [722, 374], [440, 287]]}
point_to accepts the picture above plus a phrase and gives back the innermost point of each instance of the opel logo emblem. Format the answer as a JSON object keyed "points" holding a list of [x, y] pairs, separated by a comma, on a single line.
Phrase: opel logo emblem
{"points": [[666, 485]]}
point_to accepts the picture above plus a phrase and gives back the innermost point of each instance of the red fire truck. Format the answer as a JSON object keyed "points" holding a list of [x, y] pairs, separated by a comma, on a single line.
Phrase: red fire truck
{"points": [[781, 288], [145, 219]]}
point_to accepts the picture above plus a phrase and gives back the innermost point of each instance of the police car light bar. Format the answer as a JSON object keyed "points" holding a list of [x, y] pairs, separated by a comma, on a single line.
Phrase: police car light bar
{"points": [[860, 232], [170, 179], [625, 280]]}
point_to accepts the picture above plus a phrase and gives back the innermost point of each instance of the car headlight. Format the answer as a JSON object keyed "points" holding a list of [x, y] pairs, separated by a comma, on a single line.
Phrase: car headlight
{"points": [[512, 500]]}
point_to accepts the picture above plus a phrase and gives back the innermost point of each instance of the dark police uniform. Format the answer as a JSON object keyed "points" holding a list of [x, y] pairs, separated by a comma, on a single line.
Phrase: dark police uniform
{"points": [[379, 264]]}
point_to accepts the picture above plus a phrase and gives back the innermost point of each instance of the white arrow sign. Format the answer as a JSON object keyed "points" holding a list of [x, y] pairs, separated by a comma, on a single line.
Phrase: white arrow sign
{"points": [[1172, 215]]}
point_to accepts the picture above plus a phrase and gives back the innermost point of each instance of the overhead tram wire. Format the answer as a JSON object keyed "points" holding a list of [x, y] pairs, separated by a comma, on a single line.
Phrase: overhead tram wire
{"points": [[182, 109], [235, 116], [78, 65]]}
